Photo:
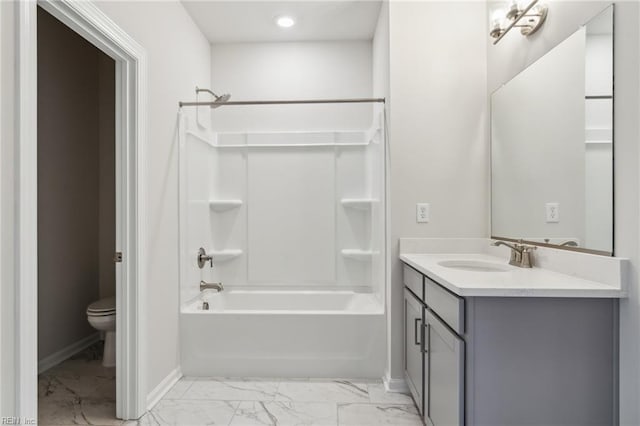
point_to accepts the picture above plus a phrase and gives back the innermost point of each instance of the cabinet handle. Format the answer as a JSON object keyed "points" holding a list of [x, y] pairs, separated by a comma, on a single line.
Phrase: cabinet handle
{"points": [[426, 347], [415, 331]]}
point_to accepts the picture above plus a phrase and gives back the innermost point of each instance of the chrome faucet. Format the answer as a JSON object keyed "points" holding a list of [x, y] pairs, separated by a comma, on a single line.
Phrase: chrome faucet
{"points": [[520, 253], [214, 286]]}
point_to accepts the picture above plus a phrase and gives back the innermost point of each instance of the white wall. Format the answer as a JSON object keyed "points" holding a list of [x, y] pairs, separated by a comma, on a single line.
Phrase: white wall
{"points": [[7, 169], [438, 132], [292, 70], [178, 60], [512, 55]]}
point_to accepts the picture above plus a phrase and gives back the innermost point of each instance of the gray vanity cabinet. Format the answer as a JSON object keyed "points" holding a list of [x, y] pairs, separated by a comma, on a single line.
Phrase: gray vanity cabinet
{"points": [[413, 355], [509, 361], [445, 359]]}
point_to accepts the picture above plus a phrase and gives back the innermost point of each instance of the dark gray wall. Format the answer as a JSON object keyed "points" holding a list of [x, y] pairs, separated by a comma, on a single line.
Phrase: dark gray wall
{"points": [[69, 180]]}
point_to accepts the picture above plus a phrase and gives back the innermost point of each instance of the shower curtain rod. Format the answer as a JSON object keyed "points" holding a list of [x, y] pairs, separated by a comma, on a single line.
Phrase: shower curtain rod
{"points": [[290, 102]]}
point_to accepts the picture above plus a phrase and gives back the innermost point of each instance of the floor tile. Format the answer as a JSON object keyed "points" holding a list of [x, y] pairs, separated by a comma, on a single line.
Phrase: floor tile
{"points": [[285, 413], [323, 391], [186, 413], [379, 395], [378, 414], [232, 390], [179, 389]]}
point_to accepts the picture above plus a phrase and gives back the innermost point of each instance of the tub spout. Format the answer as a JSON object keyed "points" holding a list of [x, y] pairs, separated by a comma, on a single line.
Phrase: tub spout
{"points": [[214, 286]]}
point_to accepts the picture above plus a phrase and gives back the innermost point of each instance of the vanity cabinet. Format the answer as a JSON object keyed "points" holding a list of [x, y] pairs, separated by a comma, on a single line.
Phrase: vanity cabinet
{"points": [[413, 354], [444, 362], [493, 360], [434, 353]]}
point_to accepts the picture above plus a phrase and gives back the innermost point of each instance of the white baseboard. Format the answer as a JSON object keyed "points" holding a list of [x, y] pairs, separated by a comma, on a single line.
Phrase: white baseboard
{"points": [[64, 353], [395, 385], [163, 387]]}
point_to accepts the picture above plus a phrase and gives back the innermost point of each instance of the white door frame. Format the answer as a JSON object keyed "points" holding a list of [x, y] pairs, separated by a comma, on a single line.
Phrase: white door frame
{"points": [[92, 24]]}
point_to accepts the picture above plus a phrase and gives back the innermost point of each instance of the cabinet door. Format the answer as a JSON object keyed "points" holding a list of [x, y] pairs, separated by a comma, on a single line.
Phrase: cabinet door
{"points": [[445, 362], [413, 347]]}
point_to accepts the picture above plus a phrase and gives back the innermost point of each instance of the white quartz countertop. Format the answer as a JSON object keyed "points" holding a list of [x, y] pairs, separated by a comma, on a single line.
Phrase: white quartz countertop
{"points": [[513, 282]]}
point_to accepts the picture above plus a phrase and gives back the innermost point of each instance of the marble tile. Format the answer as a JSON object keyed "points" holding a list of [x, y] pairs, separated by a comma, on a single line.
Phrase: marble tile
{"points": [[285, 413], [323, 391], [179, 389], [183, 412], [98, 412], [378, 414], [232, 390], [379, 395]]}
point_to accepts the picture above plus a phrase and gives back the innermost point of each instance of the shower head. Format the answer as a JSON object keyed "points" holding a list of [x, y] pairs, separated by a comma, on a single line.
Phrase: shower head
{"points": [[218, 99]]}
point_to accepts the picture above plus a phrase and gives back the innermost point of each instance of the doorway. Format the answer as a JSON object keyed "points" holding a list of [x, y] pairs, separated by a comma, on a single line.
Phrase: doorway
{"points": [[129, 59], [76, 228]]}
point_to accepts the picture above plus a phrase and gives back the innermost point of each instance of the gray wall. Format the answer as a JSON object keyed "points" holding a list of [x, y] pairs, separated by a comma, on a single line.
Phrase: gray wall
{"points": [[512, 55], [70, 205]]}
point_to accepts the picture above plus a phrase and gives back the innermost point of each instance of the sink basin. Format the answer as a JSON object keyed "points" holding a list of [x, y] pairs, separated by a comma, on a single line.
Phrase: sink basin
{"points": [[474, 266]]}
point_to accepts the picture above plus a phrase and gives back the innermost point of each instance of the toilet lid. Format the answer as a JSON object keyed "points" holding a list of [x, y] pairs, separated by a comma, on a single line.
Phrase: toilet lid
{"points": [[103, 306]]}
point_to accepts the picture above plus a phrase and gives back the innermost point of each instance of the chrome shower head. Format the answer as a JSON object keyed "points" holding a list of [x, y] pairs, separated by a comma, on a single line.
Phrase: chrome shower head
{"points": [[218, 99]]}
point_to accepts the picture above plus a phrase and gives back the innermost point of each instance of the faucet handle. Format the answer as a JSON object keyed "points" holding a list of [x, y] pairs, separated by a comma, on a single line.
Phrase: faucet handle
{"points": [[203, 258], [526, 260]]}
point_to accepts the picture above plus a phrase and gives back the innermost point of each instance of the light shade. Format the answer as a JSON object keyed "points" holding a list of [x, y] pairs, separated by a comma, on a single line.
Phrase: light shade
{"points": [[285, 21]]}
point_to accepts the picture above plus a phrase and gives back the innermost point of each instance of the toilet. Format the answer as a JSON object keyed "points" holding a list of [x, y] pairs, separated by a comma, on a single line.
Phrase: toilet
{"points": [[102, 316]]}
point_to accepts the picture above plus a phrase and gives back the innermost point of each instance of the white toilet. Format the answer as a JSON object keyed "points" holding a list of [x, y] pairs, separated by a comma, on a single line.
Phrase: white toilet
{"points": [[102, 316]]}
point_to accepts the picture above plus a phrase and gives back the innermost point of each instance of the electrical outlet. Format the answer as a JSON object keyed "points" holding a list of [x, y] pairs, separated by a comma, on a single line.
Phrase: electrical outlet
{"points": [[553, 212], [422, 212]]}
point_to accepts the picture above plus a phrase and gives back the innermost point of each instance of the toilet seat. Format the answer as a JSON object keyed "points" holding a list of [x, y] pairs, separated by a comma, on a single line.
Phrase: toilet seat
{"points": [[102, 307]]}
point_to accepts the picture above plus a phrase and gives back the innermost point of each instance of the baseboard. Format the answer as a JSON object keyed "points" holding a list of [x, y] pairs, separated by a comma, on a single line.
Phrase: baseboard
{"points": [[395, 385], [163, 387], [64, 353]]}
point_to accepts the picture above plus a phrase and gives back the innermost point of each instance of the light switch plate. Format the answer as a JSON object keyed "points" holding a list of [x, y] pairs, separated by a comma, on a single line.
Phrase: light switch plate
{"points": [[553, 212], [422, 212]]}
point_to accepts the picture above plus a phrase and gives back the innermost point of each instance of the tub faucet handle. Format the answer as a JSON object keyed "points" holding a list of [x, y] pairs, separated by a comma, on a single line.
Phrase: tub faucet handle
{"points": [[203, 258]]}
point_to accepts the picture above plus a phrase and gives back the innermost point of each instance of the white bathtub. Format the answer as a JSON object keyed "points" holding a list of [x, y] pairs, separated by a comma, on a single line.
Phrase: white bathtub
{"points": [[253, 333]]}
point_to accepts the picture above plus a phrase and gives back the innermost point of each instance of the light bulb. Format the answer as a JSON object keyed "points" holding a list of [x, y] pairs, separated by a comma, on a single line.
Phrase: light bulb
{"points": [[285, 21]]}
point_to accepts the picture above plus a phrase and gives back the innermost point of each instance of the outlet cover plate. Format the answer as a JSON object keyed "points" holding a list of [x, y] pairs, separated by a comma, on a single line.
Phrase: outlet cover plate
{"points": [[422, 212], [552, 212]]}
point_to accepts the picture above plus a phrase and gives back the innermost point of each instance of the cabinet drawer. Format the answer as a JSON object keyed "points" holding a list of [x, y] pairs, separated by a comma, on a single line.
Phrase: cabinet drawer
{"points": [[446, 305], [413, 280]]}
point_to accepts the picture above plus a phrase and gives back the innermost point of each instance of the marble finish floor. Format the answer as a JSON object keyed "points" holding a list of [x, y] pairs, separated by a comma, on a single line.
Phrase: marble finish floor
{"points": [[283, 402], [82, 392], [78, 391]]}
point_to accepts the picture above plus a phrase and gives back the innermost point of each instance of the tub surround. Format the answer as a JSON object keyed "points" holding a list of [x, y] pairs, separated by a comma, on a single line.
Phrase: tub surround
{"points": [[557, 273]]}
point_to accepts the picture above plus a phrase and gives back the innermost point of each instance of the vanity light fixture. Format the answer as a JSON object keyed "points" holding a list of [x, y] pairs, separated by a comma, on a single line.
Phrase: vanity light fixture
{"points": [[285, 21], [528, 17]]}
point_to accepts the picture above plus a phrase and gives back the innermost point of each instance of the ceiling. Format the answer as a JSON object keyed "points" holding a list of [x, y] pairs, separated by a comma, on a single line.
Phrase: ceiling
{"points": [[254, 21]]}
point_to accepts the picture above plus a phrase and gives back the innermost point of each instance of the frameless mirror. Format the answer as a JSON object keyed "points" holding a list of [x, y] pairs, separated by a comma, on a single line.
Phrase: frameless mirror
{"points": [[552, 145]]}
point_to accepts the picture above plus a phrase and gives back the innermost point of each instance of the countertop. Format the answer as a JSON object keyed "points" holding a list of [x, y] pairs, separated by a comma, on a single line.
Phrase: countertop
{"points": [[514, 282]]}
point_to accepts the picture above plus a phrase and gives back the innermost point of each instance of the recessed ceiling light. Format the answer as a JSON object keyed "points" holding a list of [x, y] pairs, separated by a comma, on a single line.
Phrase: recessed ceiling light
{"points": [[285, 21]]}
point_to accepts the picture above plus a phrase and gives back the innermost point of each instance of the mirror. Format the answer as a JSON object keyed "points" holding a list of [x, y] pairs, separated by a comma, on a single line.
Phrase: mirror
{"points": [[552, 146]]}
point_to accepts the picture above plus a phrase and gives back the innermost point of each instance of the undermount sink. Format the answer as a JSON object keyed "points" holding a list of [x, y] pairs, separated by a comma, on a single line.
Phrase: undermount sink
{"points": [[474, 266]]}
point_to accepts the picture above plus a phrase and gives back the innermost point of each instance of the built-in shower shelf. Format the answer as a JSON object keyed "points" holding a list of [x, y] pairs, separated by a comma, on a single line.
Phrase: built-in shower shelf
{"points": [[224, 205], [225, 255], [358, 203], [356, 254]]}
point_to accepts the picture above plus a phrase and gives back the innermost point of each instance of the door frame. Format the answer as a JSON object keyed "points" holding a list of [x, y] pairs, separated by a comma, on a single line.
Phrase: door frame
{"points": [[91, 23]]}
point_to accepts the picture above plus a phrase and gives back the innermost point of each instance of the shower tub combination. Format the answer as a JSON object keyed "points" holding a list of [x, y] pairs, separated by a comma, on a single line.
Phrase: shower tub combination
{"points": [[294, 223]]}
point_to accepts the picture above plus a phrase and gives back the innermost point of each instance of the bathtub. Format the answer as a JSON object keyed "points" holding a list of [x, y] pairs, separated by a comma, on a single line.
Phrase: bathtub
{"points": [[284, 333]]}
